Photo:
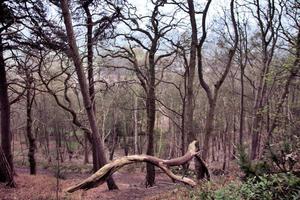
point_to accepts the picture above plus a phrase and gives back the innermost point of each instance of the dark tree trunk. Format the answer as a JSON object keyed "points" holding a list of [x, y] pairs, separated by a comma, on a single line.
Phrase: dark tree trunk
{"points": [[6, 174], [98, 149], [242, 115], [190, 76], [190, 83], [183, 134], [208, 127], [31, 139], [256, 127], [150, 176], [5, 111], [150, 104], [269, 35], [90, 53]]}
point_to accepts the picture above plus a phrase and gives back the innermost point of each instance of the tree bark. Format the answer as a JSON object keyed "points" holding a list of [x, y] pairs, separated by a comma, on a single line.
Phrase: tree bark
{"points": [[106, 171], [150, 176], [151, 109], [6, 174], [97, 145], [31, 139], [90, 53], [209, 123], [242, 113], [190, 75], [5, 111], [269, 35], [135, 113], [212, 94]]}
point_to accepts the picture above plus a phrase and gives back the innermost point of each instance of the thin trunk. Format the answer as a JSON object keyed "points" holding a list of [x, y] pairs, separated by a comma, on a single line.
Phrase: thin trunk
{"points": [[213, 149], [135, 113], [212, 94], [31, 139], [225, 138], [269, 35], [86, 149], [183, 135], [90, 53], [242, 115], [190, 75], [113, 137], [97, 145], [190, 82]]}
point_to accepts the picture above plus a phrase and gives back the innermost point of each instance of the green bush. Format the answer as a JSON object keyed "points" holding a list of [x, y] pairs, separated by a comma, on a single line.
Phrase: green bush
{"points": [[283, 186]]}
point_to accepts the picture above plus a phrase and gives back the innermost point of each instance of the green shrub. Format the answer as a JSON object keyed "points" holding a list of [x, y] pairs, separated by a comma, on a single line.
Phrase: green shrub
{"points": [[283, 186]]}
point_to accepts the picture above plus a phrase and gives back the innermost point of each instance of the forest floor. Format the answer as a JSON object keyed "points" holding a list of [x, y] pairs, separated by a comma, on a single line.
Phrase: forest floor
{"points": [[130, 180], [45, 186]]}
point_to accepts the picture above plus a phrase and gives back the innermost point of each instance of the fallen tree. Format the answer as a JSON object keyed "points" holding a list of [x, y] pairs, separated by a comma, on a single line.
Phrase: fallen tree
{"points": [[107, 170]]}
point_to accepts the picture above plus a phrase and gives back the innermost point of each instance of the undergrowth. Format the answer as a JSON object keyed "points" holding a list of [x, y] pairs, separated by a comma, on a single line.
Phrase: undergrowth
{"points": [[284, 186]]}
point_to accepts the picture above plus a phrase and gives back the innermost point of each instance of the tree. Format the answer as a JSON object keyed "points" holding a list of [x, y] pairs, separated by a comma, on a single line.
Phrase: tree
{"points": [[84, 88], [294, 41], [154, 33], [268, 17], [7, 19], [5, 171], [212, 93]]}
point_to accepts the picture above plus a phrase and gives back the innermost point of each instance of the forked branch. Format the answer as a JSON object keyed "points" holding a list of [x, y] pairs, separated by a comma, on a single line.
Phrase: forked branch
{"points": [[107, 170]]}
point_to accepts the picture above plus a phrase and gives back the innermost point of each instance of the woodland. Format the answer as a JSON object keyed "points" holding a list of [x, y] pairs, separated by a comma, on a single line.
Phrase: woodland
{"points": [[150, 99]]}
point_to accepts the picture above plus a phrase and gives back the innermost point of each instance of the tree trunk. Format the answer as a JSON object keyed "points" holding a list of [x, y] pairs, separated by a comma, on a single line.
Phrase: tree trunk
{"points": [[6, 174], [5, 111], [114, 136], [150, 104], [135, 113], [150, 176], [182, 131], [190, 75], [97, 145], [90, 53], [242, 115], [255, 131], [86, 149], [208, 127], [31, 139], [190, 84]]}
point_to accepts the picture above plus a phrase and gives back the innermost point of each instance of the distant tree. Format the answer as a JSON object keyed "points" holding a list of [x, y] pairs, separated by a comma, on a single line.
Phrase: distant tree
{"points": [[154, 33], [212, 93], [268, 16]]}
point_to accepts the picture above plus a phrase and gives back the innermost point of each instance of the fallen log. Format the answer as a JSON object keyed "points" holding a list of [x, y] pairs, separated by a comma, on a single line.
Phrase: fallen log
{"points": [[107, 170]]}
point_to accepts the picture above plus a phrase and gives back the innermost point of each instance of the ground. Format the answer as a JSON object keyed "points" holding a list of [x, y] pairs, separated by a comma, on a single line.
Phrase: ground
{"points": [[130, 179], [44, 186]]}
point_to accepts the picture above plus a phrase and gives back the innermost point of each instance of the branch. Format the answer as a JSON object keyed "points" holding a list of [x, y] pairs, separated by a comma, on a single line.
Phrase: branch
{"points": [[107, 170]]}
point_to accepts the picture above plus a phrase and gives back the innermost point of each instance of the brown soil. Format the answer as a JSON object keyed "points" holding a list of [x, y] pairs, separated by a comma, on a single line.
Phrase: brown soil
{"points": [[44, 186]]}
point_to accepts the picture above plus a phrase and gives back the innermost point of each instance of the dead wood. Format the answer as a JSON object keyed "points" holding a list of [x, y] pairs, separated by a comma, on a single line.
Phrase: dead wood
{"points": [[107, 170]]}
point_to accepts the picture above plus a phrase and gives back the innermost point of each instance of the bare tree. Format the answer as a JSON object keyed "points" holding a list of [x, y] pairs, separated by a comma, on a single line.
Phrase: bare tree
{"points": [[6, 21], [212, 93], [269, 19], [154, 34], [84, 88]]}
